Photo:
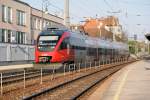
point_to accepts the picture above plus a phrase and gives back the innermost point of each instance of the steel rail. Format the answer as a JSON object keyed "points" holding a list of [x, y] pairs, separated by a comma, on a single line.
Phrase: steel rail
{"points": [[65, 83]]}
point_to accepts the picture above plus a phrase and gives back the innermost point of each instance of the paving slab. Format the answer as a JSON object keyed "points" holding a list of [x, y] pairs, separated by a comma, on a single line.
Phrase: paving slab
{"points": [[131, 83]]}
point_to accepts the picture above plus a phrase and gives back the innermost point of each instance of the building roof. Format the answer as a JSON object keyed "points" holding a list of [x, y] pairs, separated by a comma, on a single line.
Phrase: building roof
{"points": [[19, 1], [48, 13]]}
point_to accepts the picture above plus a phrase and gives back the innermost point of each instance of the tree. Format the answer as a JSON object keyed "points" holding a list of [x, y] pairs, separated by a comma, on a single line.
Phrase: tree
{"points": [[132, 46]]}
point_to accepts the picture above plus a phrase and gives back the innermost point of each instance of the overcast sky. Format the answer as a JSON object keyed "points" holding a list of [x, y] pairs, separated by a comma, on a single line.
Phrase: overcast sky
{"points": [[134, 15]]}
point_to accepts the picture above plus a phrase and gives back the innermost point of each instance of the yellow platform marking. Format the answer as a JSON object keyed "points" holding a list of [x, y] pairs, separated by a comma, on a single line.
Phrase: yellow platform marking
{"points": [[119, 89]]}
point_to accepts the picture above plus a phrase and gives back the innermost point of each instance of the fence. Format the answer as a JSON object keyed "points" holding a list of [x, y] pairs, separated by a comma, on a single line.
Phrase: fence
{"points": [[16, 52], [28, 78]]}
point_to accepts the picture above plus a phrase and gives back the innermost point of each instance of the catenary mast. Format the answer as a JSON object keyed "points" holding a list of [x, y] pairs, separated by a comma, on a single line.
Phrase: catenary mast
{"points": [[66, 14]]}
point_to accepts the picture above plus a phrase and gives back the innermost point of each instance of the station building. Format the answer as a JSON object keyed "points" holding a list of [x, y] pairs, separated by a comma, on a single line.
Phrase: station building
{"points": [[20, 23]]}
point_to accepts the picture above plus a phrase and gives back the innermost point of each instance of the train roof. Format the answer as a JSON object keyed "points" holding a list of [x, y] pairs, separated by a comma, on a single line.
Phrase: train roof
{"points": [[83, 40], [54, 31], [78, 39]]}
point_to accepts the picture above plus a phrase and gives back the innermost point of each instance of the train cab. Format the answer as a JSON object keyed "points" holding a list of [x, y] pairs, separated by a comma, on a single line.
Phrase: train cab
{"points": [[53, 46]]}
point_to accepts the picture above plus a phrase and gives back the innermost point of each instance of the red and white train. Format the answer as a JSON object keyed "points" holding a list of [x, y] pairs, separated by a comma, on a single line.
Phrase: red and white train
{"points": [[63, 46]]}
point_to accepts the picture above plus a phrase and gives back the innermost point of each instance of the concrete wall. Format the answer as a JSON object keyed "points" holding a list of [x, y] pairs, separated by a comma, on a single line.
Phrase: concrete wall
{"points": [[16, 52]]}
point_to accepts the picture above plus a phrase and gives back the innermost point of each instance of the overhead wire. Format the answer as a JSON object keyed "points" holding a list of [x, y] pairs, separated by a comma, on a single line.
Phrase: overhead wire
{"points": [[97, 8], [62, 11], [108, 4]]}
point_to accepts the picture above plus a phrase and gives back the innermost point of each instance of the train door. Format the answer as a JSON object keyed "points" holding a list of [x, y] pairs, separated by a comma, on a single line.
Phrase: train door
{"points": [[65, 51]]}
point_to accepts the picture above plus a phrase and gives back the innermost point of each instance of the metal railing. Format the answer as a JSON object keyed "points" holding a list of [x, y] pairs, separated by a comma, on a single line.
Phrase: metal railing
{"points": [[66, 69]]}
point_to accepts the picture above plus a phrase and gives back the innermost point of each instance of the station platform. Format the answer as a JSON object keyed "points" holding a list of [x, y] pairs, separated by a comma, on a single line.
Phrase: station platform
{"points": [[15, 67], [130, 83], [8, 68]]}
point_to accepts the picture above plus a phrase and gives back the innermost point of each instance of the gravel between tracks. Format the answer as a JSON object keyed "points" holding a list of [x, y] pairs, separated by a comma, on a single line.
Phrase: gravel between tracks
{"points": [[16, 91], [72, 89]]}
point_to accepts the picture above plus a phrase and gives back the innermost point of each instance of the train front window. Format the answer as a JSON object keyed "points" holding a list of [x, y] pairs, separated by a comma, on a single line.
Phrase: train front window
{"points": [[47, 43]]}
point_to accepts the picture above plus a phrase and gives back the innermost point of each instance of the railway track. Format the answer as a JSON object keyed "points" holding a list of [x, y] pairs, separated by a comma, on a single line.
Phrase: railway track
{"points": [[73, 89], [13, 78], [10, 78]]}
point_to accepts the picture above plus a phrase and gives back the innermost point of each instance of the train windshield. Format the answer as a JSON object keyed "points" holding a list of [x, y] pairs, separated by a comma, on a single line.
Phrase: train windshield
{"points": [[47, 43]]}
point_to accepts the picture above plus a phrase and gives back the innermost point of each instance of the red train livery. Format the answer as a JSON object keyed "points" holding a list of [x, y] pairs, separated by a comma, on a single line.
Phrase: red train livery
{"points": [[63, 46]]}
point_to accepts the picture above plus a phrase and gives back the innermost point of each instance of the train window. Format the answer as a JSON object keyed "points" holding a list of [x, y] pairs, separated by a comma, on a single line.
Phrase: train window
{"points": [[106, 51], [79, 48], [64, 44], [110, 51], [103, 51], [99, 50], [47, 43]]}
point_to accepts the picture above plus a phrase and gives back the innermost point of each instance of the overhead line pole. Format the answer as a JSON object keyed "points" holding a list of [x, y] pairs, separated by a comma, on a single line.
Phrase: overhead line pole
{"points": [[66, 14]]}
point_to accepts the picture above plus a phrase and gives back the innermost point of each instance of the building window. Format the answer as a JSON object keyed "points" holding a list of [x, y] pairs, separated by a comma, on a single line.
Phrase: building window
{"points": [[9, 15], [36, 23], [47, 23], [5, 35], [21, 18], [9, 32], [44, 23], [32, 23], [6, 14], [21, 37], [40, 25]]}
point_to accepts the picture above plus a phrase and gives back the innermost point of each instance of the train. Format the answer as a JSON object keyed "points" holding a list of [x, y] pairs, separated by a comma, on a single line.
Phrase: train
{"points": [[55, 45]]}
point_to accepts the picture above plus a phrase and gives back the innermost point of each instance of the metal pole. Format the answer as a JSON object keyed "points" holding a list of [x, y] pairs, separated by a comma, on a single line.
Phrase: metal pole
{"points": [[95, 64], [41, 76], [79, 66], [103, 62], [42, 14], [114, 61], [90, 65], [117, 60], [85, 65], [69, 69], [53, 73], [24, 79], [64, 69], [1, 83], [66, 14], [74, 67], [99, 63]]}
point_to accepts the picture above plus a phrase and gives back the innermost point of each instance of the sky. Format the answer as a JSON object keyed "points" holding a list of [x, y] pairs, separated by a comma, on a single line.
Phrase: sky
{"points": [[133, 15]]}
